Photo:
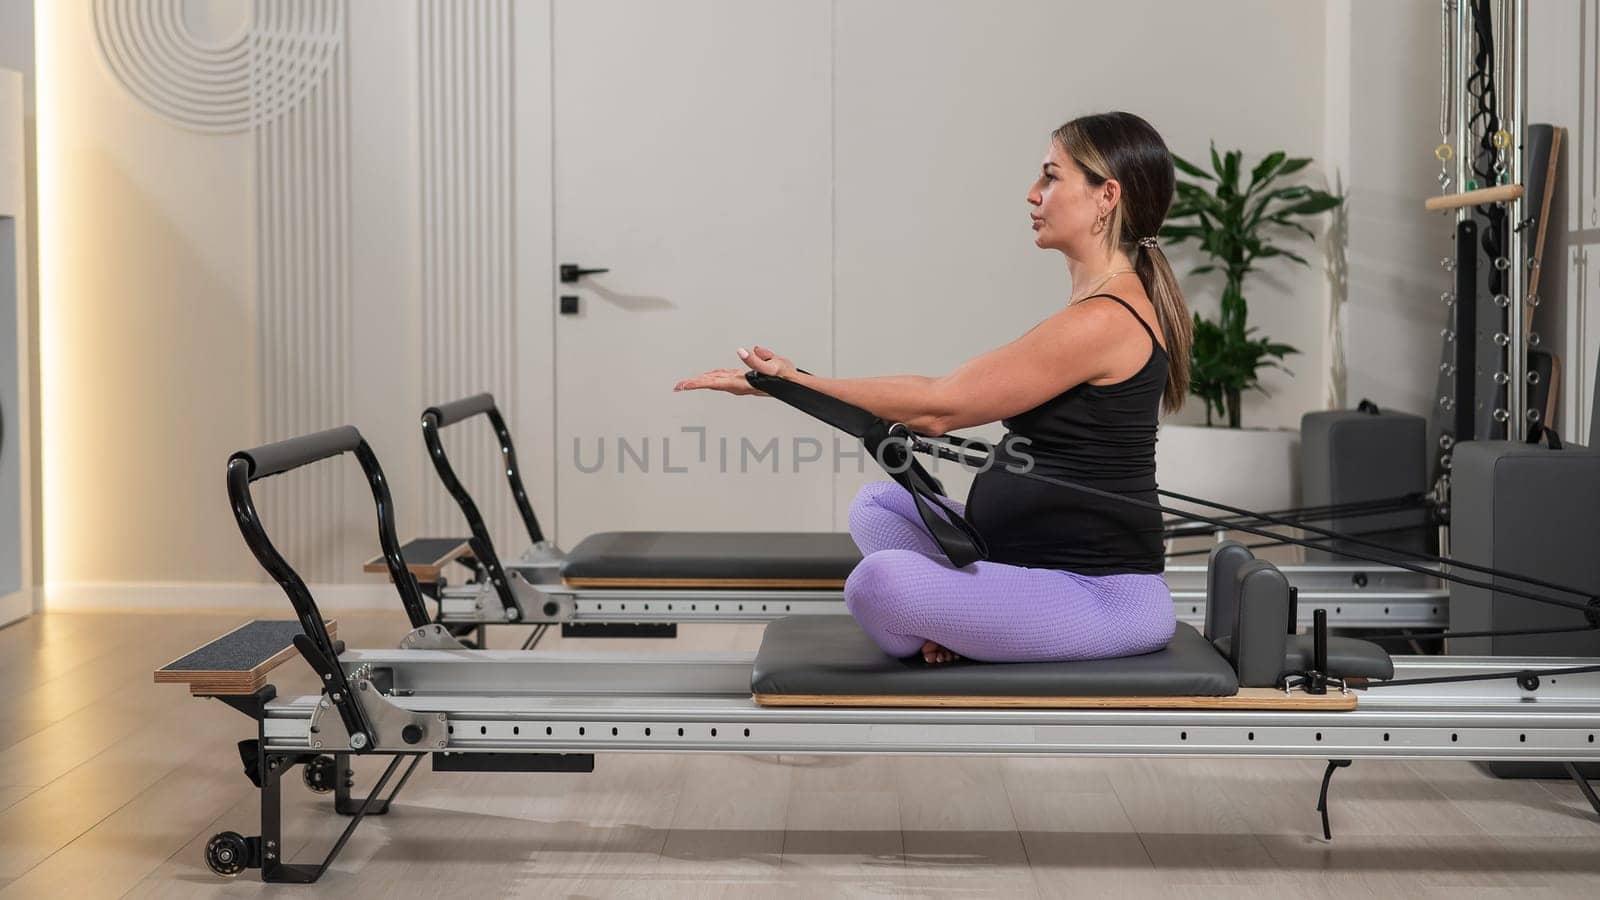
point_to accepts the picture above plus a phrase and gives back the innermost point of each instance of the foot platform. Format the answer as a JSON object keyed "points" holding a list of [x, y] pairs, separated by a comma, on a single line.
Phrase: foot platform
{"points": [[424, 557], [238, 662]]}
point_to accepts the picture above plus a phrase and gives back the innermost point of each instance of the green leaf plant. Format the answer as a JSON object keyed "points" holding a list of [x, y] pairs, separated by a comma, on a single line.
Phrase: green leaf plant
{"points": [[1236, 228]]}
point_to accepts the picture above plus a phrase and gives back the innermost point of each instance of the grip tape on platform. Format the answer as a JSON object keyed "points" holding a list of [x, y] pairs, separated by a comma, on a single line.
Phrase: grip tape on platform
{"points": [[424, 557], [237, 662]]}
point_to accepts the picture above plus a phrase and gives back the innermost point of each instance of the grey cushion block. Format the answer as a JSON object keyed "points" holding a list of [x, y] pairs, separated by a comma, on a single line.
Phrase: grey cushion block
{"points": [[1347, 657], [1528, 510], [712, 555], [1347, 456], [832, 656]]}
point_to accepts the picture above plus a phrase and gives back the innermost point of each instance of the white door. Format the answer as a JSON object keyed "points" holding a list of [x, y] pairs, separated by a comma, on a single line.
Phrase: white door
{"points": [[16, 600], [693, 160]]}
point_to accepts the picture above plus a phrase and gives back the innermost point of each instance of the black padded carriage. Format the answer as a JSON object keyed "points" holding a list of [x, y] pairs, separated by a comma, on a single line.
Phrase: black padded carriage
{"points": [[712, 558], [830, 656]]}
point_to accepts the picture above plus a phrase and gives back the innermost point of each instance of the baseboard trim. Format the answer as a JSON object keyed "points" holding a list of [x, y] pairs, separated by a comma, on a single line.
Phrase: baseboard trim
{"points": [[146, 596]]}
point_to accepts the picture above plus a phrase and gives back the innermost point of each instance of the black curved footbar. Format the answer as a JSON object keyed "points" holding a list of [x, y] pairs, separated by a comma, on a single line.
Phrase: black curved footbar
{"points": [[447, 414], [436, 417], [315, 643]]}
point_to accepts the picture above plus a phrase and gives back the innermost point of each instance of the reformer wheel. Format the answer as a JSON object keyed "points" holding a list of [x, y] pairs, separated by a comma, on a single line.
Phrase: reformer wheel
{"points": [[319, 774], [225, 853]]}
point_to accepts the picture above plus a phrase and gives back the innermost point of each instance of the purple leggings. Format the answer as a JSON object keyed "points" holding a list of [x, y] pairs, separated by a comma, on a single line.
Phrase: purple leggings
{"points": [[905, 592]]}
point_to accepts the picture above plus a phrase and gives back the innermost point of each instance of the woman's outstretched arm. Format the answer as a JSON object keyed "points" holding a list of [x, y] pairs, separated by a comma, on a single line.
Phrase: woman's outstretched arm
{"points": [[1077, 344]]}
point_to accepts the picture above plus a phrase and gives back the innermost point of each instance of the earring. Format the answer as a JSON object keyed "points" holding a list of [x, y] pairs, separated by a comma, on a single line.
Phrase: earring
{"points": [[1100, 223]]}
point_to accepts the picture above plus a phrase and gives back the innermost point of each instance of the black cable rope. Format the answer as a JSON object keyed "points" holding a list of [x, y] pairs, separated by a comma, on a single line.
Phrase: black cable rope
{"points": [[1485, 676], [1310, 543], [1353, 509], [1408, 634]]}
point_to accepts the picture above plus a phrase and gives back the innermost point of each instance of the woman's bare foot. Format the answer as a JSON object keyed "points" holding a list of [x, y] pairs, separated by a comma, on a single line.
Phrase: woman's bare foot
{"points": [[933, 654]]}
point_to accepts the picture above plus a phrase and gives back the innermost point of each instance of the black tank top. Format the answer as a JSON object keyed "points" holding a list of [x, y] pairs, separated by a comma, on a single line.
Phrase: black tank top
{"points": [[1103, 436]]}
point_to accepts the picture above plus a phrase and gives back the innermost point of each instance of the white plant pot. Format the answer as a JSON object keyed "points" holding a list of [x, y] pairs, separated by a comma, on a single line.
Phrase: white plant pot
{"points": [[1252, 468]]}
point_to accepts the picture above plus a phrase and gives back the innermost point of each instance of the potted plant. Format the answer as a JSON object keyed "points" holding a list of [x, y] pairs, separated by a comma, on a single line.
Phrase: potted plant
{"points": [[1237, 227]]}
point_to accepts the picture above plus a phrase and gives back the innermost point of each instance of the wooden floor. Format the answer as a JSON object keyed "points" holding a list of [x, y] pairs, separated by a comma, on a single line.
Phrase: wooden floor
{"points": [[110, 786]]}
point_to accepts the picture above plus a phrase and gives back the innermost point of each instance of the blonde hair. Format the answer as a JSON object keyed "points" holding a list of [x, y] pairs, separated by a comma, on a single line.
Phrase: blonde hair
{"points": [[1123, 147]]}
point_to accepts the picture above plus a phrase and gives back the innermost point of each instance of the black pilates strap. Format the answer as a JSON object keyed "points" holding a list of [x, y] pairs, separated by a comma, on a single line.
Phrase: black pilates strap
{"points": [[890, 446]]}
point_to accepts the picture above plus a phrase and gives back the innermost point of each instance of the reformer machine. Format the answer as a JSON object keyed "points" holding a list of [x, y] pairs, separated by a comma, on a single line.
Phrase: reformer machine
{"points": [[1245, 686], [643, 584], [666, 577]]}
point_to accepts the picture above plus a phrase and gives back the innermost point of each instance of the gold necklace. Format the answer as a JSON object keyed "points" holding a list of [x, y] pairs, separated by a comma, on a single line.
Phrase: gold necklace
{"points": [[1098, 285]]}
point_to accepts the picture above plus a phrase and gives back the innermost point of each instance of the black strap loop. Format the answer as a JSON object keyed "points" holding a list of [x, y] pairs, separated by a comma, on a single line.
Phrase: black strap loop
{"points": [[890, 446], [1551, 438]]}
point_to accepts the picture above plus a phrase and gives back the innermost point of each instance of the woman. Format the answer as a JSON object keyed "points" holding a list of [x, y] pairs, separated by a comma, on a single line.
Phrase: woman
{"points": [[1069, 575]]}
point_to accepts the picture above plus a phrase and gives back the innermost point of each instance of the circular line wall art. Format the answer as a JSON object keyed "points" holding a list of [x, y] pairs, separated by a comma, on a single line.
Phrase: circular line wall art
{"points": [[219, 65]]}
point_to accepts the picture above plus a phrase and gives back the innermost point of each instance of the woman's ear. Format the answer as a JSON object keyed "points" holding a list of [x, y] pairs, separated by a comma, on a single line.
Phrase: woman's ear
{"points": [[1111, 193]]}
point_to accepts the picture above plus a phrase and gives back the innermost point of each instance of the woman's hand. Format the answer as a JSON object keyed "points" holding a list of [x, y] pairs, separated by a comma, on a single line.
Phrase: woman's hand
{"points": [[729, 380], [767, 363], [733, 381]]}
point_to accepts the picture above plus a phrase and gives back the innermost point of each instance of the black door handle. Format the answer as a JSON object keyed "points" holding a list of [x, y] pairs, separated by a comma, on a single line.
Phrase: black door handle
{"points": [[571, 272]]}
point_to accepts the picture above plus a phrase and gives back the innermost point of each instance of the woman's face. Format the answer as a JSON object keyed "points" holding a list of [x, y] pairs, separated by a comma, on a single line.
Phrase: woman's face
{"points": [[1065, 207]]}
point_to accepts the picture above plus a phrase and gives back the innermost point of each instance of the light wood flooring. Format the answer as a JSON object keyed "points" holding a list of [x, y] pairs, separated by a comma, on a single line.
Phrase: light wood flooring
{"points": [[111, 784]]}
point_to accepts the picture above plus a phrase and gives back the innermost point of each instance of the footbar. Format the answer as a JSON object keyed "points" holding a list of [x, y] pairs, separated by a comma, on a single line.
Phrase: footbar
{"points": [[315, 643]]}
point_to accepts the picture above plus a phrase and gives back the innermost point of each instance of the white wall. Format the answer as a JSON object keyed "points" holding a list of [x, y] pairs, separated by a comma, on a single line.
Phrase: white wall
{"points": [[940, 133], [1381, 134], [1564, 90], [16, 44], [1382, 130], [216, 282], [147, 332], [241, 264]]}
